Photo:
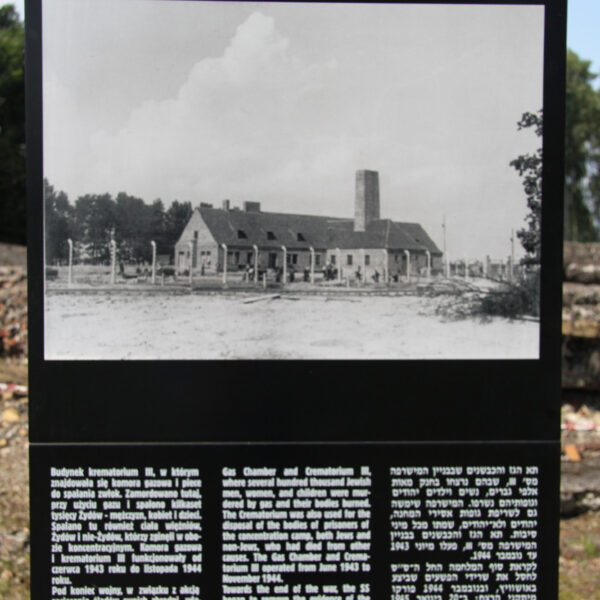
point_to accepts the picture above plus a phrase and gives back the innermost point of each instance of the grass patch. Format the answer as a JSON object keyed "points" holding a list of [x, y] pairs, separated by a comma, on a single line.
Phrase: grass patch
{"points": [[589, 546]]}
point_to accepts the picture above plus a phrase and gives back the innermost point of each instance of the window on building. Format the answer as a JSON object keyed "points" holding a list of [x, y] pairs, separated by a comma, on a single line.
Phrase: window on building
{"points": [[333, 258], [367, 259], [317, 259], [249, 257], [294, 259], [195, 236], [288, 258], [271, 235], [237, 258], [242, 235], [300, 238], [208, 253], [349, 259]]}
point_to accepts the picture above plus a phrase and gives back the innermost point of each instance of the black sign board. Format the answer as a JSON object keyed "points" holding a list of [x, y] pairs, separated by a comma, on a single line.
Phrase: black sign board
{"points": [[295, 280]]}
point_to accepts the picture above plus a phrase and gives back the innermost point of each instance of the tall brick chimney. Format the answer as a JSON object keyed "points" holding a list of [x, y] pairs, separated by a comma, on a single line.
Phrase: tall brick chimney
{"points": [[366, 206]]}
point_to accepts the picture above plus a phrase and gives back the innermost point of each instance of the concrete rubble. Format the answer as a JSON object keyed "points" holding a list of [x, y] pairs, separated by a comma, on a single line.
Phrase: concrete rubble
{"points": [[580, 414], [13, 312], [14, 521]]}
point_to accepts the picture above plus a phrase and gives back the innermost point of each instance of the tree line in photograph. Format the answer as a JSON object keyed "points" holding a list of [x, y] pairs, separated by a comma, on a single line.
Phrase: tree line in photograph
{"points": [[96, 219]]}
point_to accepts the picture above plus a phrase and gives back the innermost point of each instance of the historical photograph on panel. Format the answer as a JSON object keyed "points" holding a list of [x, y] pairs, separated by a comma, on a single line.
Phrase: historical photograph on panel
{"points": [[265, 180]]}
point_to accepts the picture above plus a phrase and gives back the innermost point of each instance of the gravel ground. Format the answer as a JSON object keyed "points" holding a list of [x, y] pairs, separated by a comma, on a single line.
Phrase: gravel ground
{"points": [[14, 485], [579, 563]]}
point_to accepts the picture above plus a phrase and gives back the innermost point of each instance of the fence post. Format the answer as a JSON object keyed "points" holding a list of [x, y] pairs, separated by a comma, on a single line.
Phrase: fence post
{"points": [[312, 264], [224, 246], [153, 244], [284, 264], [363, 279], [385, 266], [255, 248], [113, 261], [70, 276]]}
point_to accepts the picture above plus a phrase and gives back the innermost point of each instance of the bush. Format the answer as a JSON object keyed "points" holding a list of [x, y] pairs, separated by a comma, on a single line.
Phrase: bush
{"points": [[511, 301]]}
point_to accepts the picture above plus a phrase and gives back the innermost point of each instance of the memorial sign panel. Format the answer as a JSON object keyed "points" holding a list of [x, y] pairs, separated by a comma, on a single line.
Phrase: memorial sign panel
{"points": [[295, 295]]}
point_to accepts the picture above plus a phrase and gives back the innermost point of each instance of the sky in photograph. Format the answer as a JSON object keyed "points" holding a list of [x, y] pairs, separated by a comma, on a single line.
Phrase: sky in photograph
{"points": [[282, 103]]}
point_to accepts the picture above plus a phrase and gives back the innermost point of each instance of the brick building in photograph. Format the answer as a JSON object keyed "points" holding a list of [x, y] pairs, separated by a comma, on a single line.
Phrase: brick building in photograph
{"points": [[249, 237]]}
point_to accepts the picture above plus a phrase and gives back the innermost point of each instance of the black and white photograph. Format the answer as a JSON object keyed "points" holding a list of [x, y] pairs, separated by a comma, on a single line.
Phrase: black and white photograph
{"points": [[269, 180]]}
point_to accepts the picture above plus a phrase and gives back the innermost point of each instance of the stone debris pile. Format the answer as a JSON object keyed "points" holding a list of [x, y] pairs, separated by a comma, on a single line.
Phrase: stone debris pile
{"points": [[14, 511], [13, 412], [579, 418], [580, 469], [13, 312], [581, 317]]}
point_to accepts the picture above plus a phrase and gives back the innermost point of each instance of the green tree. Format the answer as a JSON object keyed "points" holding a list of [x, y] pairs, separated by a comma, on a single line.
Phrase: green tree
{"points": [[529, 167], [582, 151], [12, 127]]}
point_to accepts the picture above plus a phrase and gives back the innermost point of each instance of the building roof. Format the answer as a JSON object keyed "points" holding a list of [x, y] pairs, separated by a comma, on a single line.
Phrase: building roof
{"points": [[241, 228]]}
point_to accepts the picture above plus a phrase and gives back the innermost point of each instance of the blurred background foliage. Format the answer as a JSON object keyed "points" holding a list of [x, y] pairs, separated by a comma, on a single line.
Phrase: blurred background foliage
{"points": [[12, 127]]}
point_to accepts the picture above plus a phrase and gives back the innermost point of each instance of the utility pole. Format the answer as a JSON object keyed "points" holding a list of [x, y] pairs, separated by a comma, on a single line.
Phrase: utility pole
{"points": [[446, 262], [444, 231], [512, 255]]}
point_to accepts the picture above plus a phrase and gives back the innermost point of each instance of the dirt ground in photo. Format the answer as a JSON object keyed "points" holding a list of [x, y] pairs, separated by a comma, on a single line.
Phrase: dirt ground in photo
{"points": [[150, 325]]}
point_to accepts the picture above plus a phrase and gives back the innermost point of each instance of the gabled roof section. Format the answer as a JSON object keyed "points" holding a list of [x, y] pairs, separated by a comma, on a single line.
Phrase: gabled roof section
{"points": [[420, 236], [224, 226], [384, 233], [300, 232]]}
